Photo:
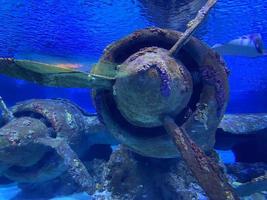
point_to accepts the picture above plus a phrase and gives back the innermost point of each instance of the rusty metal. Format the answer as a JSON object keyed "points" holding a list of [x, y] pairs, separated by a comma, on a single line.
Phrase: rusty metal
{"points": [[192, 26], [138, 83], [210, 92], [50, 75], [207, 172], [45, 139]]}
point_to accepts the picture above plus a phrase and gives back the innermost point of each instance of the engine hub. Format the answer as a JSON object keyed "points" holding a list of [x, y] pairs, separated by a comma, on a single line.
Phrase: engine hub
{"points": [[151, 84]]}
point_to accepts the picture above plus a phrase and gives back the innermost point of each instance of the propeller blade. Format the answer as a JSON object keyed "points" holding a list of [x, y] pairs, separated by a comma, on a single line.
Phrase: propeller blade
{"points": [[192, 26], [207, 172], [51, 75]]}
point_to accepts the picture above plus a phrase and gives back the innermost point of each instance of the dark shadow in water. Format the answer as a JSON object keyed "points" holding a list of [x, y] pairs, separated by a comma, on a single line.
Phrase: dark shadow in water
{"points": [[171, 14], [248, 148]]}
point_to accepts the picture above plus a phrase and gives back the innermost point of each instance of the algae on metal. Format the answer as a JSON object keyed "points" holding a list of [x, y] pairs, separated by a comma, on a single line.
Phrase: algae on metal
{"points": [[131, 129]]}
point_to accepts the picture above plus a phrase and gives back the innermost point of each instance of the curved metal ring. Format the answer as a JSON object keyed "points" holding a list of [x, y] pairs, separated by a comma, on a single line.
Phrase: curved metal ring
{"points": [[204, 111]]}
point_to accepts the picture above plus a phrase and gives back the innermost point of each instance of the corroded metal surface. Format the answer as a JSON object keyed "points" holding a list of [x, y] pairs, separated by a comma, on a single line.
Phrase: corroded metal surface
{"points": [[206, 171], [150, 84], [64, 118], [192, 26], [172, 84], [44, 74], [17, 141], [47, 138], [22, 167], [210, 92]]}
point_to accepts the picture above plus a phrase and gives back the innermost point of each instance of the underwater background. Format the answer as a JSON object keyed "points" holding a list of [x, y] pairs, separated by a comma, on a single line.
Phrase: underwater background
{"points": [[77, 32]]}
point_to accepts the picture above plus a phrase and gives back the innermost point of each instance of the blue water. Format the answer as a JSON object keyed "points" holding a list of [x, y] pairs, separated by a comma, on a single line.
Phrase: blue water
{"points": [[78, 31]]}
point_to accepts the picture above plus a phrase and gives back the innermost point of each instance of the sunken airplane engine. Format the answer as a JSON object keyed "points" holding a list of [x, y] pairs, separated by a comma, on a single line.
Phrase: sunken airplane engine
{"points": [[138, 83], [192, 87], [160, 92], [143, 93]]}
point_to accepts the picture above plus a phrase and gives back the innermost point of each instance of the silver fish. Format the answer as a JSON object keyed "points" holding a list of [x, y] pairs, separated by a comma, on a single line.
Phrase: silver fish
{"points": [[247, 45]]}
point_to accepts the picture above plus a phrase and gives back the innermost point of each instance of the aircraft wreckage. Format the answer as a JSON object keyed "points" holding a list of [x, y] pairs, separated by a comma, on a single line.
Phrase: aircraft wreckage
{"points": [[160, 93]]}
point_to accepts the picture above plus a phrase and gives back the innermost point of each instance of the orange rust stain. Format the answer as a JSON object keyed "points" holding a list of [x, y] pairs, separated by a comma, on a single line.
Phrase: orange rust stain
{"points": [[152, 73], [69, 66]]}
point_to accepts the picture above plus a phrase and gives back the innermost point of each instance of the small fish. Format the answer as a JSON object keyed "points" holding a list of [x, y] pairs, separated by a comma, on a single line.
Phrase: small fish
{"points": [[247, 45]]}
